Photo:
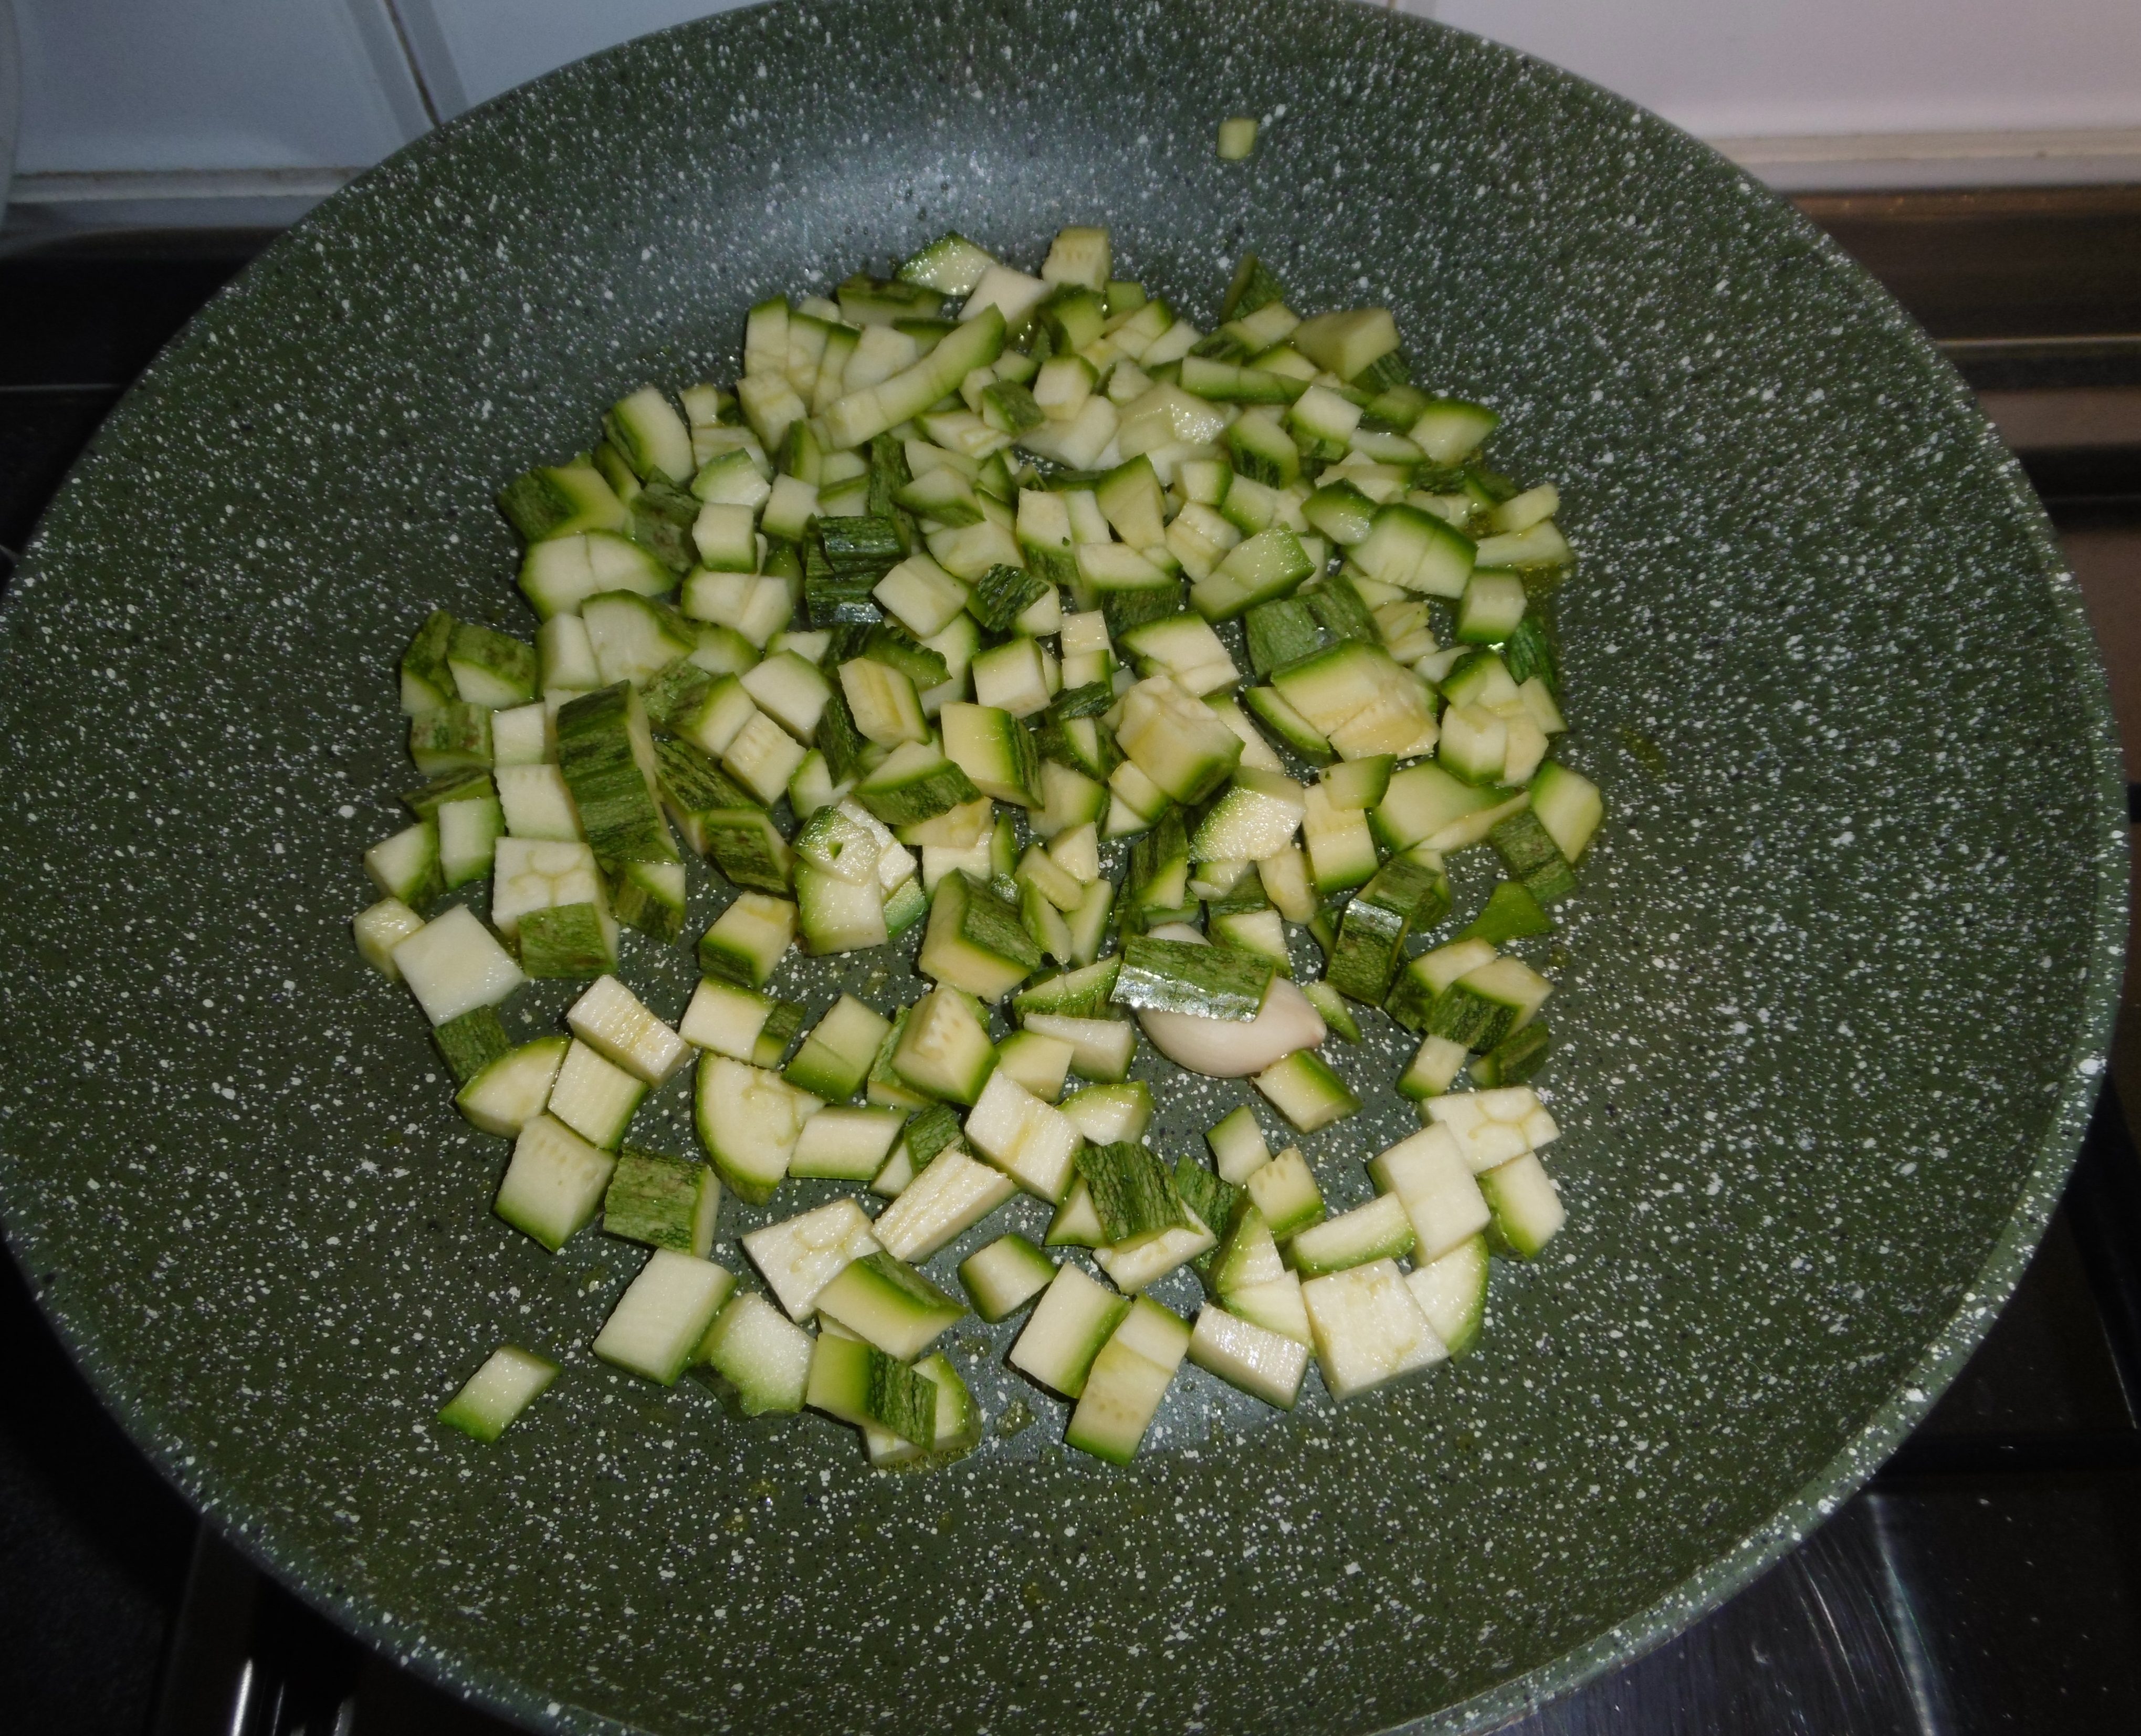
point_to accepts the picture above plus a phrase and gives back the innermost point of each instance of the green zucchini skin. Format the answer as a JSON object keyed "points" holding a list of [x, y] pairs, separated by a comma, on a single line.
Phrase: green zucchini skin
{"points": [[956, 544]]}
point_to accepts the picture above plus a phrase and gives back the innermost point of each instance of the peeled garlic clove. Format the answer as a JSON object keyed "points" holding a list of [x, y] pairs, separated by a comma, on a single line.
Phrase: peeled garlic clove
{"points": [[1227, 1048]]}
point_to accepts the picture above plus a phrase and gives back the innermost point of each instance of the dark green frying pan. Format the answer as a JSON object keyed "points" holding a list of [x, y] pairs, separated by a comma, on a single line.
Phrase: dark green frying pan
{"points": [[1831, 1000]]}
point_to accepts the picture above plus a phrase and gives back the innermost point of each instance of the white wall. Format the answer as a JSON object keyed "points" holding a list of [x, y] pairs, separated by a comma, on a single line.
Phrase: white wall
{"points": [[470, 50], [1755, 68], [135, 99], [211, 84]]}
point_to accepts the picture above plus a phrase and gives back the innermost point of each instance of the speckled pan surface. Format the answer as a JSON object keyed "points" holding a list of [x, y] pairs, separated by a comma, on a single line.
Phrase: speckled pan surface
{"points": [[1830, 1005]]}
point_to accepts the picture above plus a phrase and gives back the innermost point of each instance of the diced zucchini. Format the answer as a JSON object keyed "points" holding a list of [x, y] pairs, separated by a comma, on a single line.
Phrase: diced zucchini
{"points": [[783, 1023], [530, 876], [491, 668], [649, 898], [566, 659], [846, 1145], [1238, 1145], [1276, 1306], [944, 1051], [748, 939], [381, 928], [995, 751], [1123, 1389], [406, 866], [1100, 1048], [1262, 1362], [554, 1184], [1184, 647], [1271, 563], [511, 1091], [1081, 994], [1542, 546], [1474, 745], [1569, 805], [914, 784], [1104, 1113], [645, 428], [1524, 1209], [883, 702], [1510, 913], [1427, 1175], [1012, 677], [1133, 1192], [844, 847], [836, 1056], [1305, 1090], [510, 1381], [1425, 805], [890, 1305], [921, 595], [840, 1367], [427, 682], [763, 756], [1248, 1256], [1347, 343], [595, 1097], [561, 501], [471, 1043], [1437, 1064], [612, 1020], [658, 1322], [1076, 1318], [976, 942], [453, 964], [1336, 1011], [1380, 1230], [1039, 1063], [1494, 1127], [1285, 876], [1368, 1329], [1076, 1224], [765, 1357], [537, 803], [1213, 982], [606, 754], [666, 1202], [1515, 1058], [633, 638], [748, 1121], [799, 1256], [567, 940], [1175, 741], [1004, 1276], [1031, 1141], [1421, 984], [1284, 1191], [1256, 818], [1510, 985], [952, 1193], [1452, 1292], [1270, 708], [1403, 895]]}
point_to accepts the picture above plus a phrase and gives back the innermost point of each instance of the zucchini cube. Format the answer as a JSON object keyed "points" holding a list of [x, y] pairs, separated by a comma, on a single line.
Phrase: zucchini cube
{"points": [[889, 1304], [763, 1355], [664, 1312], [510, 1381], [1368, 1329]]}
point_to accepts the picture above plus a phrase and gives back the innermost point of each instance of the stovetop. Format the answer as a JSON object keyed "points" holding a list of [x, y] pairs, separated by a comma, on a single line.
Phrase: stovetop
{"points": [[1988, 1580]]}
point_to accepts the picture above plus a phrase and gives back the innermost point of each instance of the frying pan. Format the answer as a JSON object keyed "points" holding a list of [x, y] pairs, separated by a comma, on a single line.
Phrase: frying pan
{"points": [[1832, 1001]]}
